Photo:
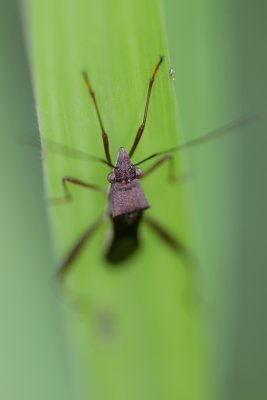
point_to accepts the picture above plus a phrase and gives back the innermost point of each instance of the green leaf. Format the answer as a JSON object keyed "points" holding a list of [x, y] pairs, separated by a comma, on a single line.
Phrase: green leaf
{"points": [[135, 334]]}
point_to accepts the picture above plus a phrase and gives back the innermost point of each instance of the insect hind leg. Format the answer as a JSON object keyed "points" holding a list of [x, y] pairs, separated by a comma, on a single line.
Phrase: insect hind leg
{"points": [[191, 294], [77, 247]]}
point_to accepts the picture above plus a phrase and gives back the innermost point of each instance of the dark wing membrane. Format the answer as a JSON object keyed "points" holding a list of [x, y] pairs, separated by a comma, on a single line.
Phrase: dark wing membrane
{"points": [[125, 237], [121, 249]]}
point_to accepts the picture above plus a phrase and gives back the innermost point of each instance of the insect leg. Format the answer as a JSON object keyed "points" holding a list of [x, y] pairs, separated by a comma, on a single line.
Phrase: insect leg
{"points": [[171, 177], [142, 126], [67, 196], [74, 251], [191, 293], [174, 243], [104, 134]]}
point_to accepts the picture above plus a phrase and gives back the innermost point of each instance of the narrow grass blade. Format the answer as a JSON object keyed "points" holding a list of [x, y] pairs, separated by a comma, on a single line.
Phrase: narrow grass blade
{"points": [[137, 338]]}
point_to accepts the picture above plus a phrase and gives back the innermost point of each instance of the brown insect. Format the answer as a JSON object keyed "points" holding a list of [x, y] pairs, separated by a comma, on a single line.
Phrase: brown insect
{"points": [[126, 198]]}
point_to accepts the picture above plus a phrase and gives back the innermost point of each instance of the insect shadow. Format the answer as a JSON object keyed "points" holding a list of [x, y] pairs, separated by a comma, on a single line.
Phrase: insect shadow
{"points": [[126, 201]]}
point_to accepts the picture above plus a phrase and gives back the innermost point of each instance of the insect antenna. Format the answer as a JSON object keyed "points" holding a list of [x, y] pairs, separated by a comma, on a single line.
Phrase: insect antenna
{"points": [[104, 133], [215, 134], [143, 124]]}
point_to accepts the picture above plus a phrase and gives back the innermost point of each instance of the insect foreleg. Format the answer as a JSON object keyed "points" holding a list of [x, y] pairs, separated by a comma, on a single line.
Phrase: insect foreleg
{"points": [[67, 196]]}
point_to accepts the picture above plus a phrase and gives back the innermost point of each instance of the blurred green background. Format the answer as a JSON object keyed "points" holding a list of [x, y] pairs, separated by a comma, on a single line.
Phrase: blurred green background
{"points": [[219, 57]]}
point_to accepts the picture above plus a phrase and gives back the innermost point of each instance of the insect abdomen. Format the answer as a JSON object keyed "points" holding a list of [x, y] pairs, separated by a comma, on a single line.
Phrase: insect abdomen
{"points": [[125, 237]]}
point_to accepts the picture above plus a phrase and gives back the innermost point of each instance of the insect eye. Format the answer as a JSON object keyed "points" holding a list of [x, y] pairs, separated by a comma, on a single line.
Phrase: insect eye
{"points": [[139, 173], [111, 177]]}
